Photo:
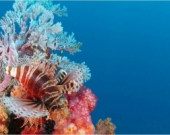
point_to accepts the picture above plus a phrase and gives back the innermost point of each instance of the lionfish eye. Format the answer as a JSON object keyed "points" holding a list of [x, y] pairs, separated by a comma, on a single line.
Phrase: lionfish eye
{"points": [[59, 107]]}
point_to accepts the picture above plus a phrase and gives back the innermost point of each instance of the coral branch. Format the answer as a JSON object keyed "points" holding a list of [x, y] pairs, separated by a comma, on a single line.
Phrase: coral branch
{"points": [[105, 127]]}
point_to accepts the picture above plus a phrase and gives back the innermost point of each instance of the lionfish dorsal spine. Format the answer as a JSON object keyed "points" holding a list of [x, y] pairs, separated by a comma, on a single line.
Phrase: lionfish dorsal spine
{"points": [[60, 76], [67, 88]]}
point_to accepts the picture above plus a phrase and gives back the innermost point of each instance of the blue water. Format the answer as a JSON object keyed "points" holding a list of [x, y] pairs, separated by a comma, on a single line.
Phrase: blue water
{"points": [[127, 47]]}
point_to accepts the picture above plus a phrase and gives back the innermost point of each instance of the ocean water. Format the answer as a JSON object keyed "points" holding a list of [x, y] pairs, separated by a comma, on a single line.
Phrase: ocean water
{"points": [[127, 47]]}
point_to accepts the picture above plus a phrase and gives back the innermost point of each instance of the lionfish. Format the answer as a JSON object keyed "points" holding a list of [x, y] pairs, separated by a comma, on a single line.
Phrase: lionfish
{"points": [[45, 86]]}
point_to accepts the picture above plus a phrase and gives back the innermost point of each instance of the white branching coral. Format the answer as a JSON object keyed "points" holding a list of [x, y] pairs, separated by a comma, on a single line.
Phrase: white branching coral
{"points": [[36, 22], [67, 43], [29, 33]]}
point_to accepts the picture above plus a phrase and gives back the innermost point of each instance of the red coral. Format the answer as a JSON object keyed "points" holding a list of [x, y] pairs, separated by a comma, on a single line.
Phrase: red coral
{"points": [[80, 106], [88, 97], [83, 102]]}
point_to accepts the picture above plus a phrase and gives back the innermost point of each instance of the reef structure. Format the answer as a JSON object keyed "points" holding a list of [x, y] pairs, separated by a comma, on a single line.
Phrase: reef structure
{"points": [[42, 91]]}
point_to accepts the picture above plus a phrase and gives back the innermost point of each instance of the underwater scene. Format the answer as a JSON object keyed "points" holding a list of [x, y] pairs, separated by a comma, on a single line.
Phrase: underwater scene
{"points": [[84, 67]]}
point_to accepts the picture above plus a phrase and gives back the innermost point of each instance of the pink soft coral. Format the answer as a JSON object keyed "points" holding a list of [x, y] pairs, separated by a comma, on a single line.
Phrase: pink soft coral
{"points": [[80, 106]]}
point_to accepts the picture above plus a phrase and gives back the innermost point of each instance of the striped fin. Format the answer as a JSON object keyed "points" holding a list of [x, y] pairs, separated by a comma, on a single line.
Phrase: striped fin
{"points": [[72, 82], [61, 76], [47, 84], [74, 75], [68, 88], [25, 107]]}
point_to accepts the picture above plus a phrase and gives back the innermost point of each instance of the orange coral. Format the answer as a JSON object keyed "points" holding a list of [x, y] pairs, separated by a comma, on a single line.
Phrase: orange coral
{"points": [[3, 119], [3, 129], [70, 129], [105, 127], [74, 126], [58, 114]]}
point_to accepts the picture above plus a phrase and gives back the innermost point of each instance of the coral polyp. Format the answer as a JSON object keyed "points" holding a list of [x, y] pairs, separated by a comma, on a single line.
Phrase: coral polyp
{"points": [[39, 86]]}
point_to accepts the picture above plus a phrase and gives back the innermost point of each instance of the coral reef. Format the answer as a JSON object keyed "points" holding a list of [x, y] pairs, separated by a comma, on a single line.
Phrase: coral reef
{"points": [[41, 91]]}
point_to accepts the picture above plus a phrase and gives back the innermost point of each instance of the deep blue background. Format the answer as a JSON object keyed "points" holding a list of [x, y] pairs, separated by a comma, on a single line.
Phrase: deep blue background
{"points": [[127, 47]]}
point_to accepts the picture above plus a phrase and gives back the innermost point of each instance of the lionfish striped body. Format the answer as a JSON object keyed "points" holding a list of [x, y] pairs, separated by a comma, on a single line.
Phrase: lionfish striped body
{"points": [[40, 85]]}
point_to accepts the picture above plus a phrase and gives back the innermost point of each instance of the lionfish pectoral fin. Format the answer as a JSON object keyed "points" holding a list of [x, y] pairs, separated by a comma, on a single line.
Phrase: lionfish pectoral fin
{"points": [[25, 122], [25, 107]]}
